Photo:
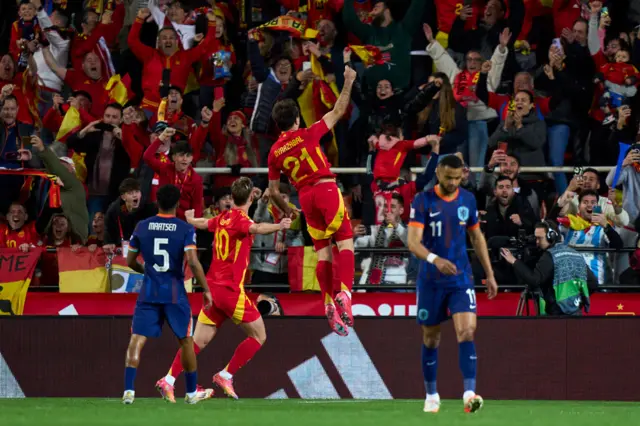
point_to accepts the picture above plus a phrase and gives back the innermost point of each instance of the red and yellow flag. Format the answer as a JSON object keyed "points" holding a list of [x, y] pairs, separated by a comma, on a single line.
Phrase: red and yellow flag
{"points": [[16, 270], [119, 89], [370, 55], [82, 271], [318, 98], [302, 263]]}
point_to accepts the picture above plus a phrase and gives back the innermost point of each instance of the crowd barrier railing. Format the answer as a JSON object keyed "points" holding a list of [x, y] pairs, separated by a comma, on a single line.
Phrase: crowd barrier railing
{"points": [[403, 251]]}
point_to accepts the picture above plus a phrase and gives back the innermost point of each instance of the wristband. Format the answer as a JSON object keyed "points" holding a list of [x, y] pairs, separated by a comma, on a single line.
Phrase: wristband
{"points": [[431, 258]]}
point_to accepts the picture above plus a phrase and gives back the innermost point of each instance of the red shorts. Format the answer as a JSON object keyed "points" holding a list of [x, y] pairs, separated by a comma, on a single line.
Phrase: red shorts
{"points": [[326, 216], [228, 303]]}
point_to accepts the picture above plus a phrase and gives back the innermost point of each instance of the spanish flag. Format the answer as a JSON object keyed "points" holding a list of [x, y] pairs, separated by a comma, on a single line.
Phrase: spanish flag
{"points": [[318, 98], [72, 123], [82, 271], [370, 55], [119, 89], [16, 270], [302, 269]]}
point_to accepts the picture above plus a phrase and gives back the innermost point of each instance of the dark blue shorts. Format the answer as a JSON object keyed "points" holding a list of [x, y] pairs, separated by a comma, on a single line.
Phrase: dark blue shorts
{"points": [[436, 303], [148, 319]]}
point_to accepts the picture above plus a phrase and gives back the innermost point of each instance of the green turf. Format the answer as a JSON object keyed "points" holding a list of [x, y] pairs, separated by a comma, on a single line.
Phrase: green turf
{"points": [[220, 412]]}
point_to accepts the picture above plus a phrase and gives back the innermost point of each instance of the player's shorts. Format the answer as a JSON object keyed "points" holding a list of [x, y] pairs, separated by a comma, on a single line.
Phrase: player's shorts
{"points": [[148, 319], [435, 303], [228, 303], [325, 213]]}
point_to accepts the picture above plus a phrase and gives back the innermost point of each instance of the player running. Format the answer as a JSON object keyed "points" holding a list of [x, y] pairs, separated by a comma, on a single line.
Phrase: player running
{"points": [[298, 155], [439, 219], [164, 241], [233, 238]]}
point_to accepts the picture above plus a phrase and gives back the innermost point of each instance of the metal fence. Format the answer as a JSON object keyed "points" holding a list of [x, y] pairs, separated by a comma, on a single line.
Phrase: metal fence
{"points": [[410, 286]]}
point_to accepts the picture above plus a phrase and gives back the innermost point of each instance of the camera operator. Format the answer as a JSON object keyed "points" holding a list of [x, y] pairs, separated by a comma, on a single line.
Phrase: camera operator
{"points": [[561, 274]]}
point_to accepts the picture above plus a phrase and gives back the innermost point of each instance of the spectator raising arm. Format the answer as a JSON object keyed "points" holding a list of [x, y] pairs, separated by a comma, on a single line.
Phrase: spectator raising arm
{"points": [[139, 49], [354, 24], [150, 153], [61, 72]]}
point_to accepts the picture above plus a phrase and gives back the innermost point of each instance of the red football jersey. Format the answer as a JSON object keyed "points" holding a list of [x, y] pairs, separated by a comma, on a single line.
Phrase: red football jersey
{"points": [[14, 239], [389, 162], [447, 11], [298, 155], [231, 248]]}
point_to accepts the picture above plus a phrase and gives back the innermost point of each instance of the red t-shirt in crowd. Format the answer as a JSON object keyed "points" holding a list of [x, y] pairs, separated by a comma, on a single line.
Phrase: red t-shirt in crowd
{"points": [[78, 80], [298, 155], [389, 162], [10, 238]]}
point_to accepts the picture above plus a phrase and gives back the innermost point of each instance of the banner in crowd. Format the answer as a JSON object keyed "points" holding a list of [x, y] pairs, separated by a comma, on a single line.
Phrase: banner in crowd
{"points": [[82, 271], [301, 264], [16, 271], [310, 304], [549, 359]]}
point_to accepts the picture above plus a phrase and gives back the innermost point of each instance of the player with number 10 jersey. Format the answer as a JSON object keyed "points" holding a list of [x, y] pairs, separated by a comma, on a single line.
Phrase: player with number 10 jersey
{"points": [[298, 155]]}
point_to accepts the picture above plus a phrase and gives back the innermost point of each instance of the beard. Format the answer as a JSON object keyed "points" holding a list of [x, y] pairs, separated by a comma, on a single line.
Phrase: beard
{"points": [[377, 20]]}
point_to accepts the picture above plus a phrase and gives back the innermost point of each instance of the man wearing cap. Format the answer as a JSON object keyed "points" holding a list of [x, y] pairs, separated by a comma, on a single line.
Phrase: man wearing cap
{"points": [[392, 38], [72, 194]]}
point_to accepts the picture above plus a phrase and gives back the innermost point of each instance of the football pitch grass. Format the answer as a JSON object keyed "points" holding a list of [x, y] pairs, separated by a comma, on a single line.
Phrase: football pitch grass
{"points": [[249, 412]]}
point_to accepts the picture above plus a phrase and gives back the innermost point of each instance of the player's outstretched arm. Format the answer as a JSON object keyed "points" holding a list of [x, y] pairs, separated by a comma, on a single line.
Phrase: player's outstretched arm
{"points": [[332, 117], [270, 228], [276, 197], [199, 223], [132, 262], [198, 273], [480, 247]]}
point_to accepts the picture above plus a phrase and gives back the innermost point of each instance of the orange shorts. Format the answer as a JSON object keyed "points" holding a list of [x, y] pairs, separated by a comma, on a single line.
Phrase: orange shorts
{"points": [[228, 303], [325, 213]]}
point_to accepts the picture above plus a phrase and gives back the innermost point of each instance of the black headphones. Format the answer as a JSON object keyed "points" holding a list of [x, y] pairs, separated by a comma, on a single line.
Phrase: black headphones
{"points": [[552, 235]]}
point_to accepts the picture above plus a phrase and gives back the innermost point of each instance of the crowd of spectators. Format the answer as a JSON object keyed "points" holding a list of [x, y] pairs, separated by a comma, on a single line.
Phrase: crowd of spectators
{"points": [[114, 98]]}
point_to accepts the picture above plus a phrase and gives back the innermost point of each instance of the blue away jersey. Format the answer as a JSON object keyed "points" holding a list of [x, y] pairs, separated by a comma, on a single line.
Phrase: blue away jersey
{"points": [[162, 240], [445, 222]]}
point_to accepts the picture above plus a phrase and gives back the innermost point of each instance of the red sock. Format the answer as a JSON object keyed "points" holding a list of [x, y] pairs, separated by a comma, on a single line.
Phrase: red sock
{"points": [[176, 366], [346, 266], [243, 354], [324, 276]]}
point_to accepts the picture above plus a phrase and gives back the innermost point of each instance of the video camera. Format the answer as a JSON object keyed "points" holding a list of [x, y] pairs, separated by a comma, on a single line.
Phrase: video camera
{"points": [[523, 246]]}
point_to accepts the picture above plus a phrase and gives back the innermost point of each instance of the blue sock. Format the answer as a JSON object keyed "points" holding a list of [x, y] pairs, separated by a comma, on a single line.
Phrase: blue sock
{"points": [[430, 368], [192, 381], [468, 361], [129, 377]]}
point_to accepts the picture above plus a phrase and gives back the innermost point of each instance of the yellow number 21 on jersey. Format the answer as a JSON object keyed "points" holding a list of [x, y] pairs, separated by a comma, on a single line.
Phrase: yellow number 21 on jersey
{"points": [[294, 163]]}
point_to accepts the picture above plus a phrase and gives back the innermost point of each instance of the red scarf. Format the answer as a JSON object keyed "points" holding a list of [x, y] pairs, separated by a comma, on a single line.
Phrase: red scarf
{"points": [[54, 189]]}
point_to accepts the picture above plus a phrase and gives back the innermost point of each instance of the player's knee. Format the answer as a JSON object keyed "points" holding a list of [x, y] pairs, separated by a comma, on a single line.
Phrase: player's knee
{"points": [[345, 245], [261, 338], [466, 334], [431, 338], [324, 254]]}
